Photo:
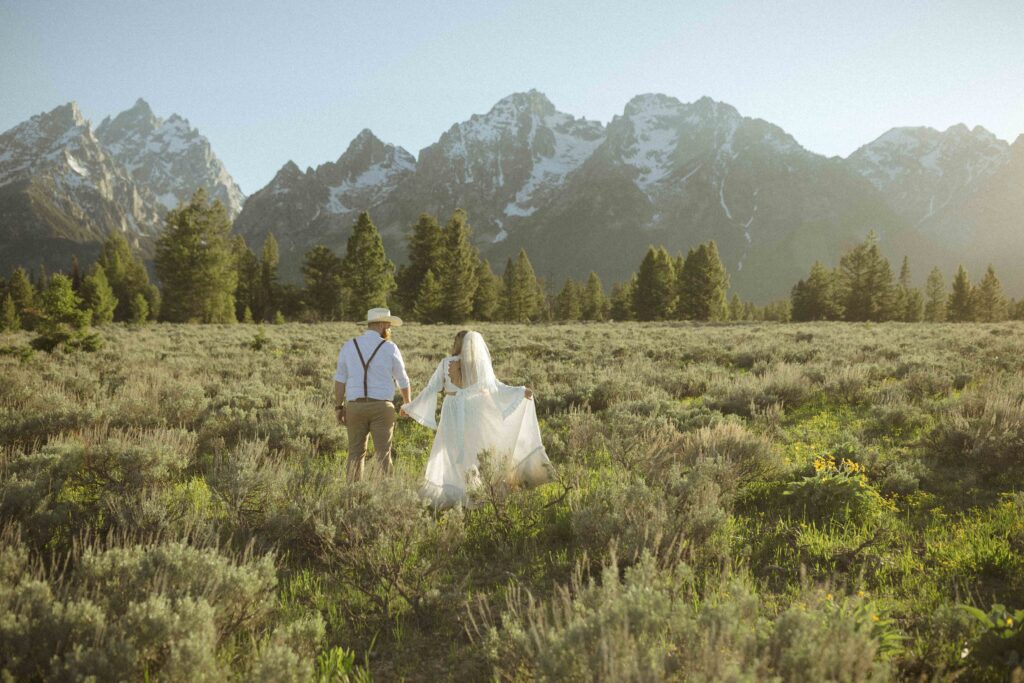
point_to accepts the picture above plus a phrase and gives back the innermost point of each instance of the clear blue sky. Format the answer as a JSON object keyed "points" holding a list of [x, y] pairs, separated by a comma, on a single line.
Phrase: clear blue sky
{"points": [[271, 81]]}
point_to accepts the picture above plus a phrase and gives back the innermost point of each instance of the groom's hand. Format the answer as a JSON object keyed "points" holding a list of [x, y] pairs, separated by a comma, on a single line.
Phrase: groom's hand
{"points": [[339, 413], [528, 393]]}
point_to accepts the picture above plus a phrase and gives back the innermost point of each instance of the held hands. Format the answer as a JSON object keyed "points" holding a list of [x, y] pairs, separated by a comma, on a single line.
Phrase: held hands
{"points": [[529, 393], [402, 413]]}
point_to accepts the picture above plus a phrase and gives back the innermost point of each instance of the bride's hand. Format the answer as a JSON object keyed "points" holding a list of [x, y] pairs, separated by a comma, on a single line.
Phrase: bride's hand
{"points": [[528, 393]]}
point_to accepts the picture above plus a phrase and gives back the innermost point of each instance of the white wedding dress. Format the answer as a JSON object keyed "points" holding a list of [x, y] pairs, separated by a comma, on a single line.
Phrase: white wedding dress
{"points": [[483, 415]]}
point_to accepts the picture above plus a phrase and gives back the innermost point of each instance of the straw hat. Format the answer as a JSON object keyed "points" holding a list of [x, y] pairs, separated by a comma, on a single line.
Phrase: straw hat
{"points": [[382, 315]]}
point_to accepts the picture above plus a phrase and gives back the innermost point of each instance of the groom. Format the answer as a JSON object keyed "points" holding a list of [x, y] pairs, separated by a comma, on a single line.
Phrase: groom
{"points": [[369, 366]]}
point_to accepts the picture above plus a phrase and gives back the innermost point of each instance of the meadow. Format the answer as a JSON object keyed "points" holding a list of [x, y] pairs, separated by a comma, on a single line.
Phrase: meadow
{"points": [[802, 502]]}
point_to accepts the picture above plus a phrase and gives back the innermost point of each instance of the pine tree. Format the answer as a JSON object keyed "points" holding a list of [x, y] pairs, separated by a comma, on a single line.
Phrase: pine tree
{"points": [[620, 300], [127, 276], [63, 321], [23, 293], [247, 316], [902, 288], [595, 305], [195, 263], [458, 270], [712, 283], [42, 280], [247, 267], [98, 296], [654, 297], [569, 302], [265, 301], [545, 302], [816, 298], [520, 300], [687, 285], [960, 304], [910, 303], [778, 311], [367, 272], [9, 320], [989, 303], [935, 291], [429, 306], [913, 308], [735, 308], [866, 287], [138, 312], [488, 292], [76, 274], [426, 246], [325, 290]]}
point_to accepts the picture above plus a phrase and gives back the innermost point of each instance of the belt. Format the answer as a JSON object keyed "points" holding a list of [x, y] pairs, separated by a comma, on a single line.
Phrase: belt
{"points": [[370, 400]]}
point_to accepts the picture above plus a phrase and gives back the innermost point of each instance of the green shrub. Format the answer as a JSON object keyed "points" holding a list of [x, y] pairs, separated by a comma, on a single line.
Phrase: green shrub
{"points": [[745, 456], [167, 610], [782, 383], [999, 648], [381, 542], [621, 510], [653, 624], [984, 431], [836, 493], [98, 481]]}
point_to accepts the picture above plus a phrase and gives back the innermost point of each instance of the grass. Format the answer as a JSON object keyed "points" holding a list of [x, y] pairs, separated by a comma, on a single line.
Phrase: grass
{"points": [[807, 502]]}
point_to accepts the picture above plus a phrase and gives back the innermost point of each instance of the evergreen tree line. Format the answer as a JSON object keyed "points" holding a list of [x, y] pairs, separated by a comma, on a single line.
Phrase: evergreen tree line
{"points": [[61, 308], [687, 287], [863, 288], [208, 275]]}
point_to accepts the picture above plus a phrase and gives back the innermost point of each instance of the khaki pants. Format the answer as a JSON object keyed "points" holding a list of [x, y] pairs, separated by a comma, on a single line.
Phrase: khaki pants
{"points": [[369, 418]]}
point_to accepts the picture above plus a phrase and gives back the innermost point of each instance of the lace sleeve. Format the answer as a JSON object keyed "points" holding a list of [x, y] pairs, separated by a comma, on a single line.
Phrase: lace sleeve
{"points": [[423, 408]]}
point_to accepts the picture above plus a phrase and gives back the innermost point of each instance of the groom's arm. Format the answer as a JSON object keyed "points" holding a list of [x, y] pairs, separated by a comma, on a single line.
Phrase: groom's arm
{"points": [[401, 378], [340, 378], [339, 401]]}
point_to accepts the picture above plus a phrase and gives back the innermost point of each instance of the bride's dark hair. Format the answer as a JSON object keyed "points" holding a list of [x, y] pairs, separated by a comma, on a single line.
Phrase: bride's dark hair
{"points": [[457, 346]]}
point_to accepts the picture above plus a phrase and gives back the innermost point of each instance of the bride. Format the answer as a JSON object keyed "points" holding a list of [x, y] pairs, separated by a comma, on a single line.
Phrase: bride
{"points": [[478, 414]]}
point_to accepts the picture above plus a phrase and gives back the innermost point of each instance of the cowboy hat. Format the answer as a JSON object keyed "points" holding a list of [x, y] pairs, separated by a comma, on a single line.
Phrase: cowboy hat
{"points": [[381, 315]]}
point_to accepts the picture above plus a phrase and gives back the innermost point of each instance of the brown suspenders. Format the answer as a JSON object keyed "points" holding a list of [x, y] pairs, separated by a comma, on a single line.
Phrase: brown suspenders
{"points": [[366, 365]]}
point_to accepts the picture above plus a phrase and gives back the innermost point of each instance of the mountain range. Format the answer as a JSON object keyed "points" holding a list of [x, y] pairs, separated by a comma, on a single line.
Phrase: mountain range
{"points": [[65, 186], [578, 195]]}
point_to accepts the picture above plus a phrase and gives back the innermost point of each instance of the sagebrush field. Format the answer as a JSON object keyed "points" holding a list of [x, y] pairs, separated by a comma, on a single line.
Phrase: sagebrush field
{"points": [[807, 502]]}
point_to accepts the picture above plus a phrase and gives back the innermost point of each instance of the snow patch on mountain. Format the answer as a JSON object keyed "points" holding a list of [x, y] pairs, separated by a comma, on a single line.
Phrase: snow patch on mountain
{"points": [[570, 151], [168, 156]]}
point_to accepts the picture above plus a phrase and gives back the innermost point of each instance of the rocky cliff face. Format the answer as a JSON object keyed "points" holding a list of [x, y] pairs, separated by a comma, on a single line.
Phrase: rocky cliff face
{"points": [[578, 195], [59, 187], [925, 174], [65, 187], [677, 174], [169, 157], [319, 206]]}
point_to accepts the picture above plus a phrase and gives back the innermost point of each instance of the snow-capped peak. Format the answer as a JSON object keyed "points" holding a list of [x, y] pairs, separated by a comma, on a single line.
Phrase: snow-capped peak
{"points": [[367, 172], [169, 156], [922, 170]]}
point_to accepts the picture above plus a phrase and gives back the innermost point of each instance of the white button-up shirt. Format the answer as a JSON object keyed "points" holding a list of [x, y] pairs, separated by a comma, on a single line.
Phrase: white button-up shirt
{"points": [[385, 370]]}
